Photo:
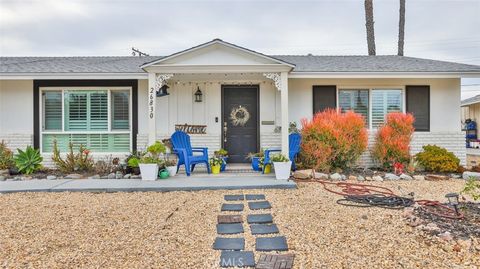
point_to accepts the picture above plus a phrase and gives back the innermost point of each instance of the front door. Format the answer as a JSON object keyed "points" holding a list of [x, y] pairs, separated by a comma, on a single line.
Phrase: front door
{"points": [[239, 121]]}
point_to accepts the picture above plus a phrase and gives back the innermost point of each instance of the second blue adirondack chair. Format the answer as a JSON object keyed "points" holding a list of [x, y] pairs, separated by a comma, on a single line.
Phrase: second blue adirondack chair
{"points": [[294, 140], [184, 150]]}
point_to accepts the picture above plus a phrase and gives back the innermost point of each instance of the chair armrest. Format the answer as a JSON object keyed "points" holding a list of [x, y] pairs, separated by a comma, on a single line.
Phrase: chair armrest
{"points": [[200, 149], [182, 153]]}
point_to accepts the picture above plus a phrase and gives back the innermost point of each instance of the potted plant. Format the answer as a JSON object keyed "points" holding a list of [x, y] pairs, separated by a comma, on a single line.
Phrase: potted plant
{"points": [[222, 154], [132, 162], [171, 166], [255, 158], [282, 166], [149, 162], [265, 166], [215, 164]]}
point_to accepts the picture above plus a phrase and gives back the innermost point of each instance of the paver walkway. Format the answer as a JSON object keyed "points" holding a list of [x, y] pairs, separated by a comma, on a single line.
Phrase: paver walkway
{"points": [[233, 249]]}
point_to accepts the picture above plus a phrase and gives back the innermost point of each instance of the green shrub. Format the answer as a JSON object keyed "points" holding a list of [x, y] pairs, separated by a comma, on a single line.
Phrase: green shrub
{"points": [[133, 162], [472, 188], [6, 156], [79, 162], [157, 148], [437, 159], [28, 161]]}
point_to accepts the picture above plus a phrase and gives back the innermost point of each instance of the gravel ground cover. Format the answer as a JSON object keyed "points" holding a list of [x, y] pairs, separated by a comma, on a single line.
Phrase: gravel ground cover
{"points": [[177, 230]]}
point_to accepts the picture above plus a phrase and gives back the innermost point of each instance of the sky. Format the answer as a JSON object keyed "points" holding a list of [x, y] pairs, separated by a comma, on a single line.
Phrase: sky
{"points": [[436, 29]]}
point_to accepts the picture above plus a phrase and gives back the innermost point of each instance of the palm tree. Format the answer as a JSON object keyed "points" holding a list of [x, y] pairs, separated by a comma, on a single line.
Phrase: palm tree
{"points": [[370, 28], [401, 28]]}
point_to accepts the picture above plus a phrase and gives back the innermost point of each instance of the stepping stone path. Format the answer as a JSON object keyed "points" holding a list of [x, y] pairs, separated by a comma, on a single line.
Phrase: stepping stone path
{"points": [[233, 248]]}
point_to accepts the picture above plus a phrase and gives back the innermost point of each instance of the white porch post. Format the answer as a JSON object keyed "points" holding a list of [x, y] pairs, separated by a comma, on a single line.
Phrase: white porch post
{"points": [[152, 105], [284, 109]]}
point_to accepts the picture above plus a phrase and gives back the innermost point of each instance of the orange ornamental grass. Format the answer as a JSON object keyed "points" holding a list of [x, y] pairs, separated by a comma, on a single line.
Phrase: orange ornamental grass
{"points": [[392, 141], [332, 140]]}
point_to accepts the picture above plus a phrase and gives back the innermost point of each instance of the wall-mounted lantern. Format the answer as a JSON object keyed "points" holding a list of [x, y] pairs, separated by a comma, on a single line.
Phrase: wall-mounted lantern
{"points": [[198, 95], [163, 91]]}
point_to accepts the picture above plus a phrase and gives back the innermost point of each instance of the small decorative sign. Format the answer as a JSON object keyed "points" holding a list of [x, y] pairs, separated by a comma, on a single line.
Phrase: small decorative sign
{"points": [[191, 129]]}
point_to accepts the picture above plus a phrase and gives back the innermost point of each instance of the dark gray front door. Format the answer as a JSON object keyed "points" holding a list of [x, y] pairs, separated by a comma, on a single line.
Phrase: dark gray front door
{"points": [[239, 121]]}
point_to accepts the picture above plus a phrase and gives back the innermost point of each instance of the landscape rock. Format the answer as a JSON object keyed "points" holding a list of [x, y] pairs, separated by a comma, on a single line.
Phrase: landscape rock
{"points": [[303, 174], [336, 176], [419, 177], [2, 178], [94, 177], [74, 176], [360, 178], [136, 177], [321, 175], [51, 177], [118, 175], [431, 227], [4, 172], [127, 176], [104, 177], [455, 176], [446, 236], [368, 178], [405, 177], [377, 178], [390, 176], [468, 175], [111, 176], [352, 177], [344, 177]]}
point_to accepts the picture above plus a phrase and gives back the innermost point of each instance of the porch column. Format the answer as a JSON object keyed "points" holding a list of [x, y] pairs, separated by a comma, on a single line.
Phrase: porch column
{"points": [[152, 107], [284, 109], [155, 82]]}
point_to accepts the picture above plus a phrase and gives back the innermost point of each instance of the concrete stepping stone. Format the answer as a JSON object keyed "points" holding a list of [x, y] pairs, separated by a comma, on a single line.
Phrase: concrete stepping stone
{"points": [[232, 207], [229, 228], [260, 218], [229, 219], [237, 259], [264, 228], [255, 196], [278, 243], [259, 205], [239, 197], [222, 243], [269, 261]]}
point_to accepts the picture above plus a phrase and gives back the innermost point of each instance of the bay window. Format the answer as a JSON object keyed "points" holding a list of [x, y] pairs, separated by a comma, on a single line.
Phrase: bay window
{"points": [[373, 104], [99, 119]]}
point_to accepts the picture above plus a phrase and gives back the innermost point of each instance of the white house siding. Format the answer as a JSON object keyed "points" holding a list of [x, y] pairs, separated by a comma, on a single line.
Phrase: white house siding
{"points": [[445, 115], [16, 112], [180, 108]]}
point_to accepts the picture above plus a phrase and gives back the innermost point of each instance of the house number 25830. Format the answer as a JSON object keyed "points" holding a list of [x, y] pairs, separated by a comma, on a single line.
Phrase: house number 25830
{"points": [[151, 97]]}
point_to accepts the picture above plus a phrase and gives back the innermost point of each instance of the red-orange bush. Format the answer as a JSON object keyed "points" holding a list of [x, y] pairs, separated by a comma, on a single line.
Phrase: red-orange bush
{"points": [[392, 141], [333, 140]]}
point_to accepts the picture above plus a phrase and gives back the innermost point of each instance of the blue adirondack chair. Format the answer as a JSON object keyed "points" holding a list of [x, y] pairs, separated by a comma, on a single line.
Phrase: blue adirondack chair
{"points": [[184, 150], [294, 140]]}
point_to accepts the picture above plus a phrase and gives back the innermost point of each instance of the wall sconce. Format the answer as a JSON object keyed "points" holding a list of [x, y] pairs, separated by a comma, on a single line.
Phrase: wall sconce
{"points": [[198, 95], [163, 91]]}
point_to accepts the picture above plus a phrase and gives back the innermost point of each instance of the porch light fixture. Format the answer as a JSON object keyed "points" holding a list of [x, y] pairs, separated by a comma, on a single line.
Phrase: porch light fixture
{"points": [[163, 91], [198, 95], [453, 200]]}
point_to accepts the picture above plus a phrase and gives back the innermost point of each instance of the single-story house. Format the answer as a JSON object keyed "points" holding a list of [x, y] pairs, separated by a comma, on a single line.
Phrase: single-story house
{"points": [[225, 95]]}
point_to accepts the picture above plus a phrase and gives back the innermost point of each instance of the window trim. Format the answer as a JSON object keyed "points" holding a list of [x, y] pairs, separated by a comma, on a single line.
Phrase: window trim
{"points": [[371, 88], [89, 88]]}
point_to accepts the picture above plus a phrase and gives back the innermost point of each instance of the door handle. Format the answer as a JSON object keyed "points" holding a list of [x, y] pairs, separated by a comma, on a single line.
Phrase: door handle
{"points": [[225, 132]]}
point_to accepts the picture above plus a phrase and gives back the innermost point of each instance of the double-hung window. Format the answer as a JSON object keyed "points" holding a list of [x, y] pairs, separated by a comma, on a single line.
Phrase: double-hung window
{"points": [[373, 104], [99, 119]]}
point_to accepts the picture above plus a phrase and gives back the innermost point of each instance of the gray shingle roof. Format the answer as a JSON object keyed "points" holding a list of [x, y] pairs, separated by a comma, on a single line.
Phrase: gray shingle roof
{"points": [[471, 100], [308, 63]]}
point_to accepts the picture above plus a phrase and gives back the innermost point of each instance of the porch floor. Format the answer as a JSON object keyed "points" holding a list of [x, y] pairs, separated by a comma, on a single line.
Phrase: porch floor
{"points": [[198, 181]]}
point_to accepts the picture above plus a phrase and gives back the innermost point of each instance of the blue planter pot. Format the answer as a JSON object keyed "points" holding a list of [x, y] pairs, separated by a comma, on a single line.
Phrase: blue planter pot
{"points": [[256, 164], [224, 164]]}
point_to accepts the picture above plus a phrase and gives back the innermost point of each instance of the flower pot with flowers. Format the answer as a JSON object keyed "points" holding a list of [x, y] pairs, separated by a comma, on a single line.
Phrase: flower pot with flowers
{"points": [[150, 162], [215, 164], [255, 158], [222, 154], [282, 166], [267, 167]]}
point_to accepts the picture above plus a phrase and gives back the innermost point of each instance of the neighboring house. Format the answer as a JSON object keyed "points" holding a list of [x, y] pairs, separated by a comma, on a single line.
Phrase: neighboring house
{"points": [[245, 99], [471, 110]]}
